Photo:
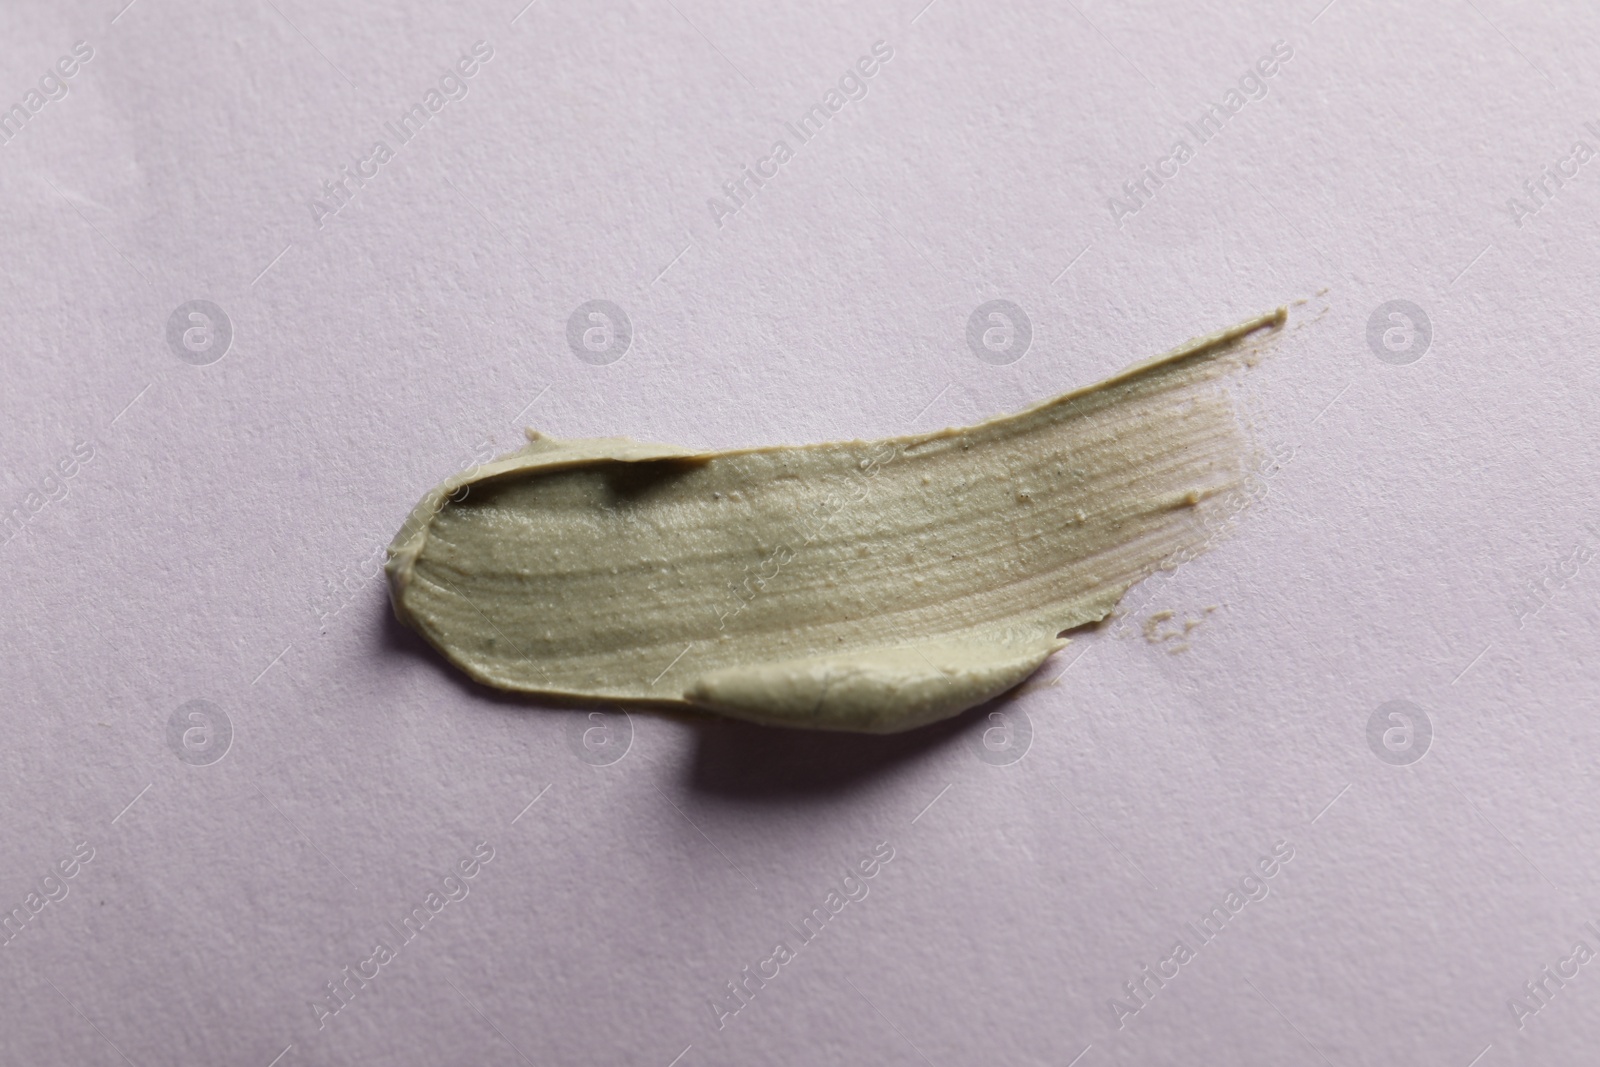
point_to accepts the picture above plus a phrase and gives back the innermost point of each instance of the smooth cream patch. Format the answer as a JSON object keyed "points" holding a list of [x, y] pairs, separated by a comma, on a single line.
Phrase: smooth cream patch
{"points": [[868, 586]]}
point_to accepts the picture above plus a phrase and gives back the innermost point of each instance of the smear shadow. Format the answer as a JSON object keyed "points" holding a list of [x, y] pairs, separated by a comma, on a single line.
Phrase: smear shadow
{"points": [[740, 760]]}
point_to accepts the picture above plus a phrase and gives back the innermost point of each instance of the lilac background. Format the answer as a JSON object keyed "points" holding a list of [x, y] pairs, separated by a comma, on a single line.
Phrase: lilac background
{"points": [[197, 555]]}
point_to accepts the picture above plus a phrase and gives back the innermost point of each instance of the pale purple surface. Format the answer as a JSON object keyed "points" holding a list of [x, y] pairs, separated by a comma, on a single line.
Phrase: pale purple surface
{"points": [[192, 557]]}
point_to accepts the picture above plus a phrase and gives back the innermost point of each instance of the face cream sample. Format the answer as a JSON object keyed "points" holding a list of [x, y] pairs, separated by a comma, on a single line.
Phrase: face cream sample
{"points": [[866, 586]]}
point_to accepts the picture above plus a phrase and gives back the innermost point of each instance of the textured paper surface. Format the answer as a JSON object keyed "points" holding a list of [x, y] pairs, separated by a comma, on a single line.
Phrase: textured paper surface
{"points": [[207, 697]]}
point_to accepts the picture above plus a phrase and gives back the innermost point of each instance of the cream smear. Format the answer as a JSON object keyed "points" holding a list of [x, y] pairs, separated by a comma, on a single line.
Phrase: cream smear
{"points": [[866, 586]]}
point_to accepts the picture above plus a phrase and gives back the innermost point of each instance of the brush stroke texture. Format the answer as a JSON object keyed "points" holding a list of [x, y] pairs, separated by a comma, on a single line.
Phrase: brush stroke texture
{"points": [[867, 586]]}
